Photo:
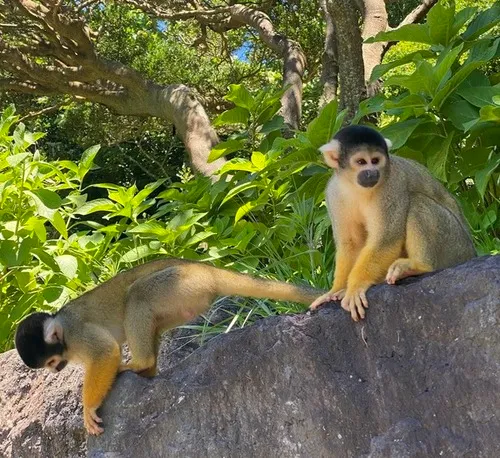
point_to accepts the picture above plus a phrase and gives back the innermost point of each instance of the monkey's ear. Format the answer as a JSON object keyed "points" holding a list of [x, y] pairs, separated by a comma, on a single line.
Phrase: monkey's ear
{"points": [[53, 331], [388, 143], [331, 153]]}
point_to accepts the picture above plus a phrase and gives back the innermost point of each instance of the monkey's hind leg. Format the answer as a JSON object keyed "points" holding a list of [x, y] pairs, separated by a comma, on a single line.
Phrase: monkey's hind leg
{"points": [[141, 334], [421, 245]]}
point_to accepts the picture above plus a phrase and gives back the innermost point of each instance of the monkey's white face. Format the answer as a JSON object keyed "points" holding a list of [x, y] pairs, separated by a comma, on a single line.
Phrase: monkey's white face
{"points": [[55, 363], [368, 166]]}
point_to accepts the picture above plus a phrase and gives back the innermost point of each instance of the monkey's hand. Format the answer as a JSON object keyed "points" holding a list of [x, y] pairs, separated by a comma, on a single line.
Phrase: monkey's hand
{"points": [[355, 302], [327, 297], [91, 421]]}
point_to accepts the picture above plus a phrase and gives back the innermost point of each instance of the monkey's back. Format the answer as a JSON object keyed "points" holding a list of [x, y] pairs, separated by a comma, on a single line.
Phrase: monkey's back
{"points": [[438, 214]]}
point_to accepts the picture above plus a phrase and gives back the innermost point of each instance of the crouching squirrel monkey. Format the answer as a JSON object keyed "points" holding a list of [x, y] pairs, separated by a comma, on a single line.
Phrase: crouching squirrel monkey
{"points": [[391, 219], [133, 307]]}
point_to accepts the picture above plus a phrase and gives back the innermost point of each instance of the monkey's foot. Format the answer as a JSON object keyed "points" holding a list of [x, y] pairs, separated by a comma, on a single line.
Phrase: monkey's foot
{"points": [[91, 421], [400, 268], [355, 302], [144, 370], [327, 297]]}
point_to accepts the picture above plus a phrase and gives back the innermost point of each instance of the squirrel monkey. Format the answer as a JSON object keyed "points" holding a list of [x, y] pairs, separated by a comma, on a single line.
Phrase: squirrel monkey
{"points": [[135, 307], [391, 218]]}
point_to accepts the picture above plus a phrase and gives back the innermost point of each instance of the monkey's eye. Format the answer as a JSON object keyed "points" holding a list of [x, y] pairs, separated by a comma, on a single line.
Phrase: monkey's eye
{"points": [[375, 160], [361, 162]]}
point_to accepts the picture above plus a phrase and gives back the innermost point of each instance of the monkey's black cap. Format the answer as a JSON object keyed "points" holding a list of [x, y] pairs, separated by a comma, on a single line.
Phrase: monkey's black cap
{"points": [[30, 342], [353, 136]]}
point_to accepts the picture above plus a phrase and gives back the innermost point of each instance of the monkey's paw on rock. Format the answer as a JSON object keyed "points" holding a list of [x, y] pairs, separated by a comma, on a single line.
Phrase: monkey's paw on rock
{"points": [[421, 373]]}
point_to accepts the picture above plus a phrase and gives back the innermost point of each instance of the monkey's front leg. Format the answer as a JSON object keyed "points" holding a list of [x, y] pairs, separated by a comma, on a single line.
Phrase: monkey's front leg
{"points": [[344, 261], [369, 269], [101, 367]]}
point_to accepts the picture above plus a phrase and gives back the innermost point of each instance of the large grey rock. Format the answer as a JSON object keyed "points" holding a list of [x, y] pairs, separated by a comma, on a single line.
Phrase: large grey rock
{"points": [[419, 377]]}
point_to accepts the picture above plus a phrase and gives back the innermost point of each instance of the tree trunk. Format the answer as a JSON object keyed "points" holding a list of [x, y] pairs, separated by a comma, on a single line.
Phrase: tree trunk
{"points": [[329, 61], [374, 21], [350, 56]]}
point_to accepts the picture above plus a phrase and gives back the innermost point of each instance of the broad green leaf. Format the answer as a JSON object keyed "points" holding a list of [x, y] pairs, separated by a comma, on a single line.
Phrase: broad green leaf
{"points": [[46, 258], [250, 206], [96, 205], [68, 265], [199, 237], [321, 130], [382, 69], [417, 33], [16, 159], [241, 188], [259, 160], [440, 20], [240, 96], [436, 159], [87, 160], [420, 81], [409, 101], [482, 177], [460, 113], [444, 63], [483, 22], [273, 124], [490, 113], [398, 133], [137, 253], [237, 115], [38, 227], [225, 148], [237, 164], [58, 222], [462, 17], [50, 199], [479, 96], [150, 227]]}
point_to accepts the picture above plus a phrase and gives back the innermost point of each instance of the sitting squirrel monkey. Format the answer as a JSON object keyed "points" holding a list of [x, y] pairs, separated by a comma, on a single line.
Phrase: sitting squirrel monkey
{"points": [[135, 307], [391, 218]]}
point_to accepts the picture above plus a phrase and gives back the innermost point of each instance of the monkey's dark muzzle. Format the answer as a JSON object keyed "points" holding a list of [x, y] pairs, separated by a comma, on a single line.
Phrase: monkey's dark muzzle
{"points": [[368, 178]]}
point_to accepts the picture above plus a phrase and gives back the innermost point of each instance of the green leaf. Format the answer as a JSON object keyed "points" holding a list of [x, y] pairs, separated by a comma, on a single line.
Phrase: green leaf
{"points": [[150, 227], [444, 63], [490, 113], [479, 96], [241, 188], [421, 80], [225, 148], [96, 205], [272, 125], [250, 206], [399, 132], [16, 159], [482, 177], [68, 265], [440, 20], [483, 22], [462, 17], [259, 160], [460, 113], [417, 33], [321, 130], [137, 253], [237, 115], [436, 159], [87, 160], [48, 198], [58, 222], [382, 69], [479, 55], [240, 96]]}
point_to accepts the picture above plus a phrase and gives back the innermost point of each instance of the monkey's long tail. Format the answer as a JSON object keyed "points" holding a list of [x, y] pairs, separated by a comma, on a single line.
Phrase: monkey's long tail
{"points": [[228, 283]]}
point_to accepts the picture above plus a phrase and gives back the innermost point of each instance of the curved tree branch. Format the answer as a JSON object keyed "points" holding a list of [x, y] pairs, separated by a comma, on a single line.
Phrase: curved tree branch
{"points": [[239, 15], [54, 54]]}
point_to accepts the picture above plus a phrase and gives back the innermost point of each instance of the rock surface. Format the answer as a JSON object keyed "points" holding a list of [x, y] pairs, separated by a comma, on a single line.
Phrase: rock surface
{"points": [[419, 377]]}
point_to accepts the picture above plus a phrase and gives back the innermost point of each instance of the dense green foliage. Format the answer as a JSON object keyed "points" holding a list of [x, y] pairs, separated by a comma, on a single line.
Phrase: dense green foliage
{"points": [[265, 215]]}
